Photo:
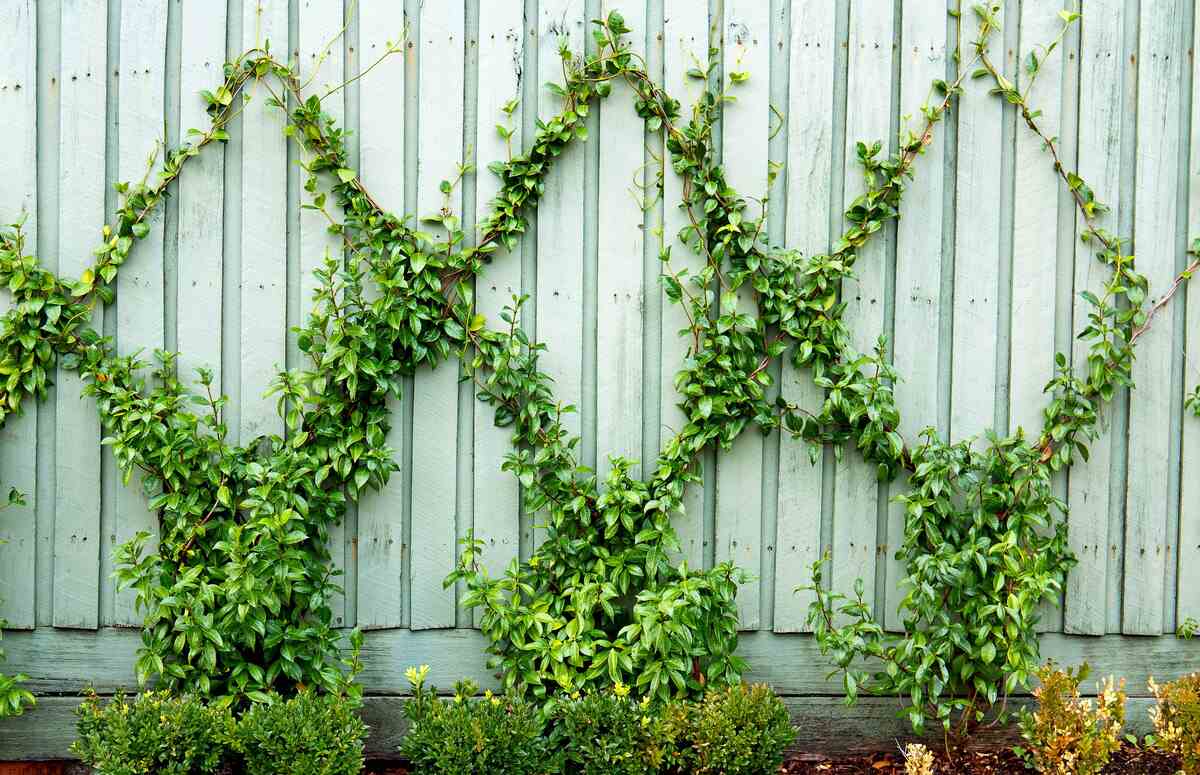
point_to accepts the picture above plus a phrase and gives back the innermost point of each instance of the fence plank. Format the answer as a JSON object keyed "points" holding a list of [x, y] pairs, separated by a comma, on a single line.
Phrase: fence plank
{"points": [[1160, 49], [621, 240], [685, 36], [919, 260], [264, 233], [976, 253], [381, 158], [1035, 240], [322, 67], [1188, 604], [201, 214], [868, 120], [558, 299], [1099, 141], [809, 174], [77, 539], [18, 437], [140, 282], [435, 393], [746, 35], [497, 493]]}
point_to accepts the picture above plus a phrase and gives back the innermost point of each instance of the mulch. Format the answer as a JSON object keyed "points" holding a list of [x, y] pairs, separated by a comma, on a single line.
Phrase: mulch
{"points": [[1128, 761]]}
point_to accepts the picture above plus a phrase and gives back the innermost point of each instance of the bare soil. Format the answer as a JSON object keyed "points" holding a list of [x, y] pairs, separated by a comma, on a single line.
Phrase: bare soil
{"points": [[1128, 761]]}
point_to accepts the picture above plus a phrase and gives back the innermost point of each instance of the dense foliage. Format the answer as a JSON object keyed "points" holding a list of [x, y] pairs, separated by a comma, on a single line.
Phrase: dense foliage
{"points": [[13, 697], [735, 730], [1176, 719], [496, 734], [152, 732], [1066, 734], [317, 734], [984, 537], [610, 732]]}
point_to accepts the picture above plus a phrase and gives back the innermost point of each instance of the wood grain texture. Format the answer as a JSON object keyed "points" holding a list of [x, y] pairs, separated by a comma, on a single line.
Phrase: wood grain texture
{"points": [[746, 35], [18, 437], [809, 175], [1161, 43], [621, 241], [868, 120], [976, 254], [918, 300], [501, 58], [1188, 603], [140, 303], [322, 68], [435, 393], [263, 284], [381, 158], [1099, 148], [77, 537], [685, 46], [201, 214]]}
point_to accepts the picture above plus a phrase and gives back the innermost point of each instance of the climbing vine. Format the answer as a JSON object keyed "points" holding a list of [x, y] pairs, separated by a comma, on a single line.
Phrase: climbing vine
{"points": [[236, 586], [14, 698]]}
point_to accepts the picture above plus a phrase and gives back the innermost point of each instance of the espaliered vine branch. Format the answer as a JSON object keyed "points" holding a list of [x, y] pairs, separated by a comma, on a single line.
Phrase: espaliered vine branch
{"points": [[236, 596]]}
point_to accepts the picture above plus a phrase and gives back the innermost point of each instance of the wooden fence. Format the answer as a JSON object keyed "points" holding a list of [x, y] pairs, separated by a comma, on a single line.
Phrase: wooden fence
{"points": [[977, 287]]}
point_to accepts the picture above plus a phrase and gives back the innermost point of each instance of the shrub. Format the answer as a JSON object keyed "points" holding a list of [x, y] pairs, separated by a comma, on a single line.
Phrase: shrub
{"points": [[317, 734], [1067, 734], [499, 735], [608, 732], [1176, 720], [152, 733], [738, 730]]}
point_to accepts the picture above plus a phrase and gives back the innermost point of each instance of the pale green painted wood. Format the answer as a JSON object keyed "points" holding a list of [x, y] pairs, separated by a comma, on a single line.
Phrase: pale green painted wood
{"points": [[1161, 43], [81, 143], [745, 36], [263, 281], [918, 301], [322, 67], [685, 36], [1189, 513], [501, 58], [1034, 235], [1088, 595], [435, 393], [868, 119], [976, 250], [557, 306], [201, 211], [18, 440], [809, 175], [791, 663], [258, 218], [621, 241], [381, 152], [140, 315]]}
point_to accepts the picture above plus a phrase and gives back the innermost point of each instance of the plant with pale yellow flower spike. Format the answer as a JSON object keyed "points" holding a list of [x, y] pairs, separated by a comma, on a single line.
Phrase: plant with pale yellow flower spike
{"points": [[1176, 719], [918, 760], [1068, 734]]}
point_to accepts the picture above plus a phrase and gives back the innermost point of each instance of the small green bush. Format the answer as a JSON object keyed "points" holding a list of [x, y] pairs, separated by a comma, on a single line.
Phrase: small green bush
{"points": [[495, 735], [1067, 734], [152, 732], [1176, 720], [316, 734], [608, 734], [737, 730]]}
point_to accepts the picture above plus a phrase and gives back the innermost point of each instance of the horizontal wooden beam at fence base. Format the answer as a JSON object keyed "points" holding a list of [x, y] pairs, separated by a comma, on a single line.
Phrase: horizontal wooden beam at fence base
{"points": [[824, 726], [790, 663]]}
